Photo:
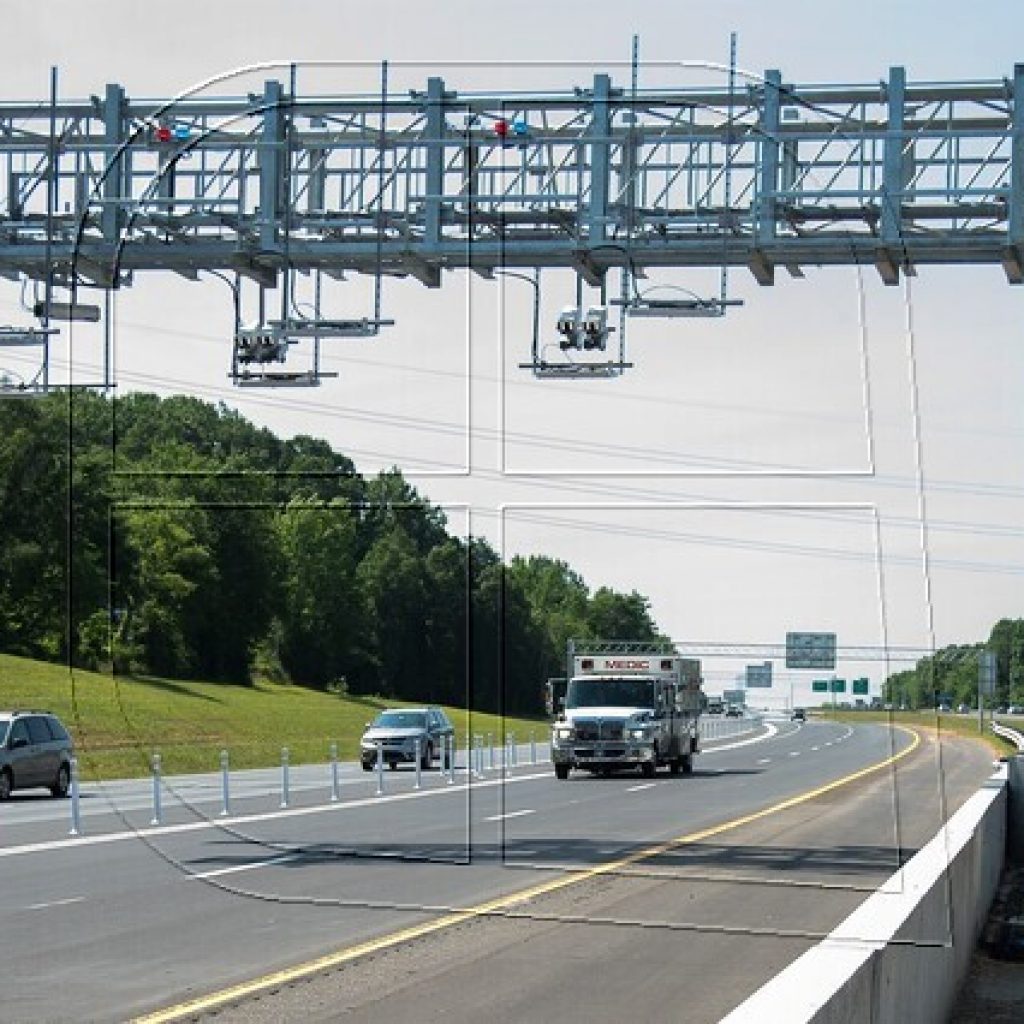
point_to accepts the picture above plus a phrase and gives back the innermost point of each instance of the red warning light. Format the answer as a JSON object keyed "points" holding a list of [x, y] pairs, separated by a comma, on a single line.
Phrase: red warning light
{"points": [[163, 134], [501, 128]]}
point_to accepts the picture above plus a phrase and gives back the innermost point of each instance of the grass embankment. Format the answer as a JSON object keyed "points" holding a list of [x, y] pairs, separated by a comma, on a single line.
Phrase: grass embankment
{"points": [[947, 724], [118, 722]]}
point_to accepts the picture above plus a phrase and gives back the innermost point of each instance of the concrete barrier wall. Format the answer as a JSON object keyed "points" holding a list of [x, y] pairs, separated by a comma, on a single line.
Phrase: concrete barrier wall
{"points": [[902, 955]]}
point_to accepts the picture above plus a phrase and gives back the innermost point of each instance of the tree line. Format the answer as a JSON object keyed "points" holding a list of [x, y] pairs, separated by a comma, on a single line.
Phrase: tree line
{"points": [[950, 675], [174, 538]]}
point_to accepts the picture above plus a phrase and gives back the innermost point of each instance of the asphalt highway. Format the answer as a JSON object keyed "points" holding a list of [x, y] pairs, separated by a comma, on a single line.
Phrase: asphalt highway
{"points": [[509, 897]]}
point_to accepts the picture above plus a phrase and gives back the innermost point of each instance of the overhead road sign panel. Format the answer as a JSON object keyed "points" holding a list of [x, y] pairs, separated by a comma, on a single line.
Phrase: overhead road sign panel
{"points": [[811, 650], [987, 673]]}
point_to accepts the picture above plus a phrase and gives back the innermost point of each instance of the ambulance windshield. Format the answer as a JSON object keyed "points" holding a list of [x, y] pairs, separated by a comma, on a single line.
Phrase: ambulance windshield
{"points": [[610, 692]]}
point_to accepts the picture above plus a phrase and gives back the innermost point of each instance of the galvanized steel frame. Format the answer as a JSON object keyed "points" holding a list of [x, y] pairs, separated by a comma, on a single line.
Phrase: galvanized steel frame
{"points": [[890, 174]]}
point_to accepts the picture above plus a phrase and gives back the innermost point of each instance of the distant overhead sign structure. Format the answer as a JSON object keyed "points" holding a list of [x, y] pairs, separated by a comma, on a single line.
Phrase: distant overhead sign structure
{"points": [[811, 650], [759, 676], [987, 673]]}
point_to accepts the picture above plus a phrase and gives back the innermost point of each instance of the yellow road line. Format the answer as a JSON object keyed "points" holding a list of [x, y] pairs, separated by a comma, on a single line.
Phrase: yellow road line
{"points": [[233, 993]]}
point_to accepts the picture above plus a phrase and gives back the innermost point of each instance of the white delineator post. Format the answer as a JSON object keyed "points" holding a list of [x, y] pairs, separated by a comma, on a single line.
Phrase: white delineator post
{"points": [[76, 820], [334, 772], [225, 784], [157, 810], [284, 776]]}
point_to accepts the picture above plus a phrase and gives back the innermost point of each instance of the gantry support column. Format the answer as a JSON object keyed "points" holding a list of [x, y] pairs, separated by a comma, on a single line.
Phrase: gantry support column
{"points": [[767, 181], [889, 257], [1013, 263]]}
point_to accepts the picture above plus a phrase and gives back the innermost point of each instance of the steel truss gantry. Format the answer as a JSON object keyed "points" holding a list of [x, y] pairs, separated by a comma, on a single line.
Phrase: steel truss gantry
{"points": [[764, 175]]}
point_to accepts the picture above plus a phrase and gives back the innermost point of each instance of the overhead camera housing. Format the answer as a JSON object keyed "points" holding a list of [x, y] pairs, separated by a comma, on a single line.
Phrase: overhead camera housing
{"points": [[67, 311]]}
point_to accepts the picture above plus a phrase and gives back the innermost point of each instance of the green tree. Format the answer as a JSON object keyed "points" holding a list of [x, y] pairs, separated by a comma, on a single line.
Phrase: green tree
{"points": [[392, 578], [165, 560], [558, 599], [1007, 640], [447, 635], [503, 624], [615, 616], [323, 612]]}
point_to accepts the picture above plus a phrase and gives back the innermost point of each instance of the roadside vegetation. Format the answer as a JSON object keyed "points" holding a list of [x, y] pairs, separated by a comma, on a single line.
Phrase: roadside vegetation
{"points": [[172, 538], [950, 675], [117, 723], [939, 724]]}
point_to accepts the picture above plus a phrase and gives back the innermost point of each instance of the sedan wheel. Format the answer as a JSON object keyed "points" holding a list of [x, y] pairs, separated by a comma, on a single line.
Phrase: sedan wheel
{"points": [[63, 783], [6, 785]]}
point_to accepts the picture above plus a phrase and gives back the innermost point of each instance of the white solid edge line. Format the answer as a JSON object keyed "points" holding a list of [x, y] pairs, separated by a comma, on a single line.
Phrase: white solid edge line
{"points": [[246, 819], [772, 731]]}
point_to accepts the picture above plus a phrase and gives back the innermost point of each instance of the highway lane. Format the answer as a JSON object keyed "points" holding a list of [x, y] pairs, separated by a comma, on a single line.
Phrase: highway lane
{"points": [[128, 924], [128, 804]]}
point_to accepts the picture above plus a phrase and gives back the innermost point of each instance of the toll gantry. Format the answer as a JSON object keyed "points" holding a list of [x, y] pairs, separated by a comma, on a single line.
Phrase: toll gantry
{"points": [[760, 173]]}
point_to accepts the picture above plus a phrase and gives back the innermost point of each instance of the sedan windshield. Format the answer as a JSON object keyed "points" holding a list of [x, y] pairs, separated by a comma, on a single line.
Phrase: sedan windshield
{"points": [[400, 720], [595, 693]]}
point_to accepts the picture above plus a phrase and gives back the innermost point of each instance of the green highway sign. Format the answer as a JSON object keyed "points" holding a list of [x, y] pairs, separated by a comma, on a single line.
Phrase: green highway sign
{"points": [[820, 686], [839, 686], [860, 686]]}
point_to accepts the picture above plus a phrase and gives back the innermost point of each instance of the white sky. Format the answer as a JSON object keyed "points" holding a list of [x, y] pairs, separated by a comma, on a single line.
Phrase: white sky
{"points": [[713, 409]]}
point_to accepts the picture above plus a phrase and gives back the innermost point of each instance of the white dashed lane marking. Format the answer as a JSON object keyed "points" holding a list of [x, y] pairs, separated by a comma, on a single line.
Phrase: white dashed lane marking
{"points": [[511, 814]]}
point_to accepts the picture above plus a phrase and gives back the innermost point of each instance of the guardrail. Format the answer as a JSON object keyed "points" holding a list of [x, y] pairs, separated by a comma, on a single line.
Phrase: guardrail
{"points": [[1015, 767], [713, 727], [1009, 734]]}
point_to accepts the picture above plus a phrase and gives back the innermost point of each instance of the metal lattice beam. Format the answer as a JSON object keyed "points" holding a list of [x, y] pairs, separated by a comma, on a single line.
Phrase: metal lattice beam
{"points": [[891, 174]]}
